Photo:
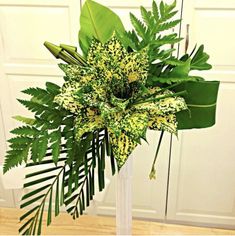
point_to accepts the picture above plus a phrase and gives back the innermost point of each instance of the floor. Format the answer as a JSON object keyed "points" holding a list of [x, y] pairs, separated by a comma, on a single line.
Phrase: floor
{"points": [[97, 225]]}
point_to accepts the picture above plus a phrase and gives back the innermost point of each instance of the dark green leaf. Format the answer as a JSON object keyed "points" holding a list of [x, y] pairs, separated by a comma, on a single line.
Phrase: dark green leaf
{"points": [[199, 60], [49, 208], [43, 162], [201, 99], [15, 158], [38, 181], [55, 137], [40, 220], [43, 171], [25, 224], [53, 88], [31, 201], [34, 192], [69, 200], [28, 213], [57, 198]]}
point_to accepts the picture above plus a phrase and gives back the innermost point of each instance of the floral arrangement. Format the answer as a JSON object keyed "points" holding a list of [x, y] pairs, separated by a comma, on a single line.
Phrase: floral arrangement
{"points": [[122, 84]]}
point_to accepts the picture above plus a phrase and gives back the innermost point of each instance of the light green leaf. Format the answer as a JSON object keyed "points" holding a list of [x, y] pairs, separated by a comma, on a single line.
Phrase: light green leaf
{"points": [[97, 21], [169, 80], [180, 71], [139, 26], [25, 120]]}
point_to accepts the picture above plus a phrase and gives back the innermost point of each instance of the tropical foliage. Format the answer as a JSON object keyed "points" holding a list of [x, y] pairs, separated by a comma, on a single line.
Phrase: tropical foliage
{"points": [[124, 83]]}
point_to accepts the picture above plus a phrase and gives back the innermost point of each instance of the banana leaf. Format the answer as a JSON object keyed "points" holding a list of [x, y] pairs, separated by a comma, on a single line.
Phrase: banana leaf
{"points": [[97, 21], [201, 99]]}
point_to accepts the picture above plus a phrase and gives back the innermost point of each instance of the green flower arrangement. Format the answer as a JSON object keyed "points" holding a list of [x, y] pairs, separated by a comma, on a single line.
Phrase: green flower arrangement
{"points": [[124, 83]]}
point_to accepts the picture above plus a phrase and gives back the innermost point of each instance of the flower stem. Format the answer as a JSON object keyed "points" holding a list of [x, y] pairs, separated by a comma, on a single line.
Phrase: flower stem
{"points": [[152, 174]]}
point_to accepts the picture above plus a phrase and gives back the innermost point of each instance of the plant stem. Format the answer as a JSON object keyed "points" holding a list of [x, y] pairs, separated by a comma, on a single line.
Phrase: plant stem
{"points": [[152, 174]]}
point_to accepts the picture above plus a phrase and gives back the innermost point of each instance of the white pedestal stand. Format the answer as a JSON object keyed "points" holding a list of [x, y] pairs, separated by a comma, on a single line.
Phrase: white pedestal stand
{"points": [[124, 199]]}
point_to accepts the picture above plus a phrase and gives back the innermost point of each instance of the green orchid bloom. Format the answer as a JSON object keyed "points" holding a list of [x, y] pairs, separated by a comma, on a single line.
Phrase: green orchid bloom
{"points": [[110, 93]]}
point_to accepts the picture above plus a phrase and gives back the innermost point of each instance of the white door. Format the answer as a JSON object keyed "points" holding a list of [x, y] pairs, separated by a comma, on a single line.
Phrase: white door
{"points": [[6, 196], [149, 196], [202, 177]]}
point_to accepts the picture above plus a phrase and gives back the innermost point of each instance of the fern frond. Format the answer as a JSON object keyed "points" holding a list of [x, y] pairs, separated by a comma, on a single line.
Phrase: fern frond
{"points": [[39, 147], [166, 11], [147, 17], [15, 157], [156, 12], [35, 107], [20, 140], [138, 25], [167, 39], [25, 131], [40, 95], [155, 22], [166, 26]]}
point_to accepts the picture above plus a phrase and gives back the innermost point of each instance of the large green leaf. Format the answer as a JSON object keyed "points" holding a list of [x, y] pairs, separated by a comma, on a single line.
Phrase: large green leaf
{"points": [[99, 22], [201, 99]]}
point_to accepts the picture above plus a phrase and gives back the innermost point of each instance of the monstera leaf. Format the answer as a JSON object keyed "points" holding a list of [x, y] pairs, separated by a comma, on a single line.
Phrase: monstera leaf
{"points": [[98, 22], [201, 100]]}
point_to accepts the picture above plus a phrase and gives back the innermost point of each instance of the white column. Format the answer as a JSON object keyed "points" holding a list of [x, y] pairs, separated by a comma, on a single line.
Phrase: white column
{"points": [[124, 199]]}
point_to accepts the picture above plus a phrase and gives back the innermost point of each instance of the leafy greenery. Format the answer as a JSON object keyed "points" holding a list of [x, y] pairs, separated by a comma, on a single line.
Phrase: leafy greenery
{"points": [[97, 21], [148, 32], [70, 184], [201, 99], [124, 83]]}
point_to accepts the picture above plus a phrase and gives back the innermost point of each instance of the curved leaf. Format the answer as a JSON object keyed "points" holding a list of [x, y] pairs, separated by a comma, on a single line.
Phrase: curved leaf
{"points": [[201, 99], [99, 22]]}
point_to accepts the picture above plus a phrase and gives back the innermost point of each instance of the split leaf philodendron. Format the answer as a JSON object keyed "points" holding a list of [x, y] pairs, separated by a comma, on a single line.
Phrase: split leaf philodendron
{"points": [[125, 83]]}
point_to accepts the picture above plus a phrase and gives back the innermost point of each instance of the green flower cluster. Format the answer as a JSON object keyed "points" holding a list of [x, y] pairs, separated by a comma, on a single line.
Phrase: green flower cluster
{"points": [[109, 92]]}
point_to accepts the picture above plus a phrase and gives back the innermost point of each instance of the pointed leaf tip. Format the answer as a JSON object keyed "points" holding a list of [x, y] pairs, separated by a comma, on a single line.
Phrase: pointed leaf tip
{"points": [[54, 49], [68, 48]]}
